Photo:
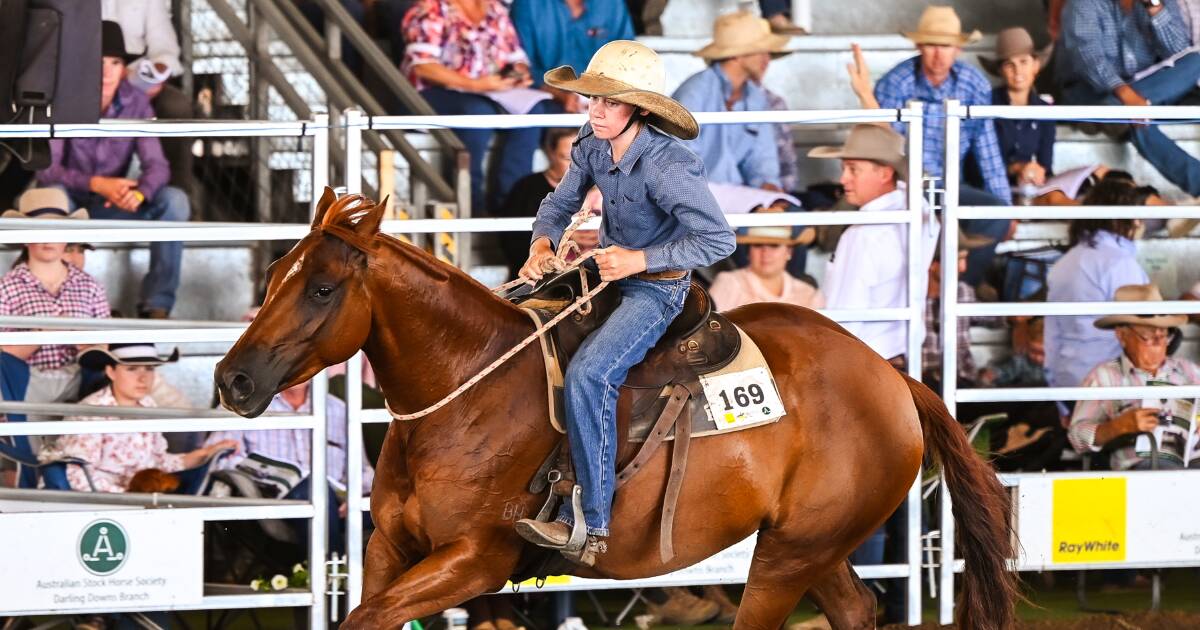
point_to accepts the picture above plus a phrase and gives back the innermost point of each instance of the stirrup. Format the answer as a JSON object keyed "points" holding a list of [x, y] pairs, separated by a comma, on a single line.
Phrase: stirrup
{"points": [[581, 548]]}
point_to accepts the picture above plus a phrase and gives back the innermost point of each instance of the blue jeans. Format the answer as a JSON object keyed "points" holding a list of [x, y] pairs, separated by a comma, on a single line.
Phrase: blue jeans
{"points": [[593, 377], [1165, 87], [514, 155], [980, 258], [166, 259]]}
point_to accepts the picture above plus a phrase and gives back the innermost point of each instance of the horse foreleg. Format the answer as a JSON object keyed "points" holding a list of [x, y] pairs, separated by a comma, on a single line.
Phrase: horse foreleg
{"points": [[384, 562], [446, 578], [847, 603]]}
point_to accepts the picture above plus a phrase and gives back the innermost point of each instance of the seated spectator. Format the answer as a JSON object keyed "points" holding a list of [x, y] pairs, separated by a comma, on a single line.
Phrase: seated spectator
{"points": [[567, 33], [785, 144], [737, 59], [527, 194], [1101, 258], [465, 58], [1025, 366], [1110, 51], [93, 173], [870, 267], [316, 17], [146, 26], [115, 458], [1026, 146], [1144, 360], [931, 350], [766, 278], [934, 75], [779, 15], [43, 284]]}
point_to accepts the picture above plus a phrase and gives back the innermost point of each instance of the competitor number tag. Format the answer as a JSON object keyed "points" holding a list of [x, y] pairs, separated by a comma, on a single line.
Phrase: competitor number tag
{"points": [[742, 398]]}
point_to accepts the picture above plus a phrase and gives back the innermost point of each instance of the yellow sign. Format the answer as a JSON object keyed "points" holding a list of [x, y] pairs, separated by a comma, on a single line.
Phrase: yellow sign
{"points": [[1088, 520]]}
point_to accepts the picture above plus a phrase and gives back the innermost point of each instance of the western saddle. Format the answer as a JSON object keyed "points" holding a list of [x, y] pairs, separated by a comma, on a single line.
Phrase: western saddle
{"points": [[699, 341]]}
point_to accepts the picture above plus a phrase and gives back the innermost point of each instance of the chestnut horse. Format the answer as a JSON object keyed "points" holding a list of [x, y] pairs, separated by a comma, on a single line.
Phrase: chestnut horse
{"points": [[449, 486]]}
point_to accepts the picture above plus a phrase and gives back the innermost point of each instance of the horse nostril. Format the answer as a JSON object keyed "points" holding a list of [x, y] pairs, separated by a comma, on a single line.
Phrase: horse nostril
{"points": [[241, 386]]}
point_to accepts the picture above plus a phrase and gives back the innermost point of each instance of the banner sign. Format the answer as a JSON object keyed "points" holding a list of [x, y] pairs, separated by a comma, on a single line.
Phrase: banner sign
{"points": [[1112, 519], [101, 561]]}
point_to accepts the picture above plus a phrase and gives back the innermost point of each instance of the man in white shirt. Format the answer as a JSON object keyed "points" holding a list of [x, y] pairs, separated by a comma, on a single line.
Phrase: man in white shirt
{"points": [[869, 268]]}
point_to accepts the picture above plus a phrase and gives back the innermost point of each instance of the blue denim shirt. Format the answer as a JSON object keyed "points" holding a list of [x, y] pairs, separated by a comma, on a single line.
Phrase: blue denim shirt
{"points": [[552, 37], [1086, 274], [1104, 46], [733, 154], [656, 199]]}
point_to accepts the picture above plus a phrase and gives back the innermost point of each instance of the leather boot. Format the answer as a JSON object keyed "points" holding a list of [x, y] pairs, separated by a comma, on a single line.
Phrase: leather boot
{"points": [[716, 593], [684, 609], [554, 534]]}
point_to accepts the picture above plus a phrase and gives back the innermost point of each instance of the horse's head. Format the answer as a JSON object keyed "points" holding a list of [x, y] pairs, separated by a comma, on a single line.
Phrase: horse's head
{"points": [[317, 310]]}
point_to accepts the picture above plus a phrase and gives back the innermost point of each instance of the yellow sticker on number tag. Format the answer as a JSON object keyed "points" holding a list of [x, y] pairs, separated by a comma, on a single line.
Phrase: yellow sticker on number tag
{"points": [[741, 398]]}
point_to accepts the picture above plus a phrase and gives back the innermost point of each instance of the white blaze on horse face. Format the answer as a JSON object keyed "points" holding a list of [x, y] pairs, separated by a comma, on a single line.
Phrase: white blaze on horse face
{"points": [[295, 269]]}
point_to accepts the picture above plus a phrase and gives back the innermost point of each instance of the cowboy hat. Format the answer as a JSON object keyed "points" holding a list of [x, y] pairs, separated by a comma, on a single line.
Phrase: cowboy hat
{"points": [[742, 33], [99, 357], [940, 26], [632, 73], [869, 142], [775, 234], [1012, 42], [1140, 293], [112, 42], [44, 203]]}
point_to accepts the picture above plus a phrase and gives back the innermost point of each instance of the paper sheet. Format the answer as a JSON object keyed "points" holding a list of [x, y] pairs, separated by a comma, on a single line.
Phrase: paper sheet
{"points": [[518, 100], [735, 199]]}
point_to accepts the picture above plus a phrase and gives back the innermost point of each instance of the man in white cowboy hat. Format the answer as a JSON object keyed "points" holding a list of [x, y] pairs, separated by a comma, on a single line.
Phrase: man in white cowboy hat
{"points": [[660, 221], [1146, 343], [1110, 49], [869, 268], [934, 75], [737, 59]]}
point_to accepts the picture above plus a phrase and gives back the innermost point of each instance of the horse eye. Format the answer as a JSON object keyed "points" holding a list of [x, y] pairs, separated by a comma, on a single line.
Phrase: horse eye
{"points": [[323, 292]]}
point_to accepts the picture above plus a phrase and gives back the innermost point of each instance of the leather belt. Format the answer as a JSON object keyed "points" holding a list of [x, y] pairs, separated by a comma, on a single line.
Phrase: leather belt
{"points": [[661, 275]]}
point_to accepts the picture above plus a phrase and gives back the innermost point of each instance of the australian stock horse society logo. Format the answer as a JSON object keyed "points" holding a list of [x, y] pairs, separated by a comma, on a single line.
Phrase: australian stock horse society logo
{"points": [[103, 547]]}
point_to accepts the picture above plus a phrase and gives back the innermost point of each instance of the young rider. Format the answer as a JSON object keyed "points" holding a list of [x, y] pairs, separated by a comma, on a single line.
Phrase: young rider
{"points": [[659, 222]]}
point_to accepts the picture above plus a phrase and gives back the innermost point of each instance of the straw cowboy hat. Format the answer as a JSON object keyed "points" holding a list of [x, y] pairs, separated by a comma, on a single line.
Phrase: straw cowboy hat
{"points": [[1012, 42], [1140, 293], [742, 33], [44, 203], [869, 142], [775, 234], [629, 72], [99, 357], [940, 26]]}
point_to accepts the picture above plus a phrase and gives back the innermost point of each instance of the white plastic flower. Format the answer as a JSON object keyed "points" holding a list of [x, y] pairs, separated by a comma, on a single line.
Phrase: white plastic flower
{"points": [[298, 568], [256, 584], [279, 582]]}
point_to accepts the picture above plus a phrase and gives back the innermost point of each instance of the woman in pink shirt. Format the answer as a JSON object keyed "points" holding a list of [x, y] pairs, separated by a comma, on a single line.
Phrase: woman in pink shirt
{"points": [[766, 279], [114, 458]]}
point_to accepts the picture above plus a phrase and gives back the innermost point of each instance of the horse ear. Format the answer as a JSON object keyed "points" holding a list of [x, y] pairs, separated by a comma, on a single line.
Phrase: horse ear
{"points": [[327, 199], [368, 225]]}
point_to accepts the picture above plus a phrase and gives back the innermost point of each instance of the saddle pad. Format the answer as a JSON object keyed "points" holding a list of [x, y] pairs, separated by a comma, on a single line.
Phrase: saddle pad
{"points": [[647, 405]]}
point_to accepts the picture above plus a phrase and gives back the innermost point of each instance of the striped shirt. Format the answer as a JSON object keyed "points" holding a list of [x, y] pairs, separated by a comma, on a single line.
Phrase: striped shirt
{"points": [[295, 445], [1090, 414], [81, 295]]}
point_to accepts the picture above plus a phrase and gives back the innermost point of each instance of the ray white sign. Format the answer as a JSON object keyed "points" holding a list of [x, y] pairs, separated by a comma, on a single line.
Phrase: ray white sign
{"points": [[101, 561]]}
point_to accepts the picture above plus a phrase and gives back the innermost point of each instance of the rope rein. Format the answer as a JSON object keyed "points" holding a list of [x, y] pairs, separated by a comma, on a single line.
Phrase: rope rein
{"points": [[583, 304]]}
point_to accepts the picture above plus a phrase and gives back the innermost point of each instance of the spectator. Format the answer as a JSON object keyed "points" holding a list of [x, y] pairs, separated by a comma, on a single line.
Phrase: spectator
{"points": [[527, 194], [316, 17], [1026, 146], [869, 268], [43, 284], [1144, 360], [93, 173], [1102, 258], [465, 58], [779, 15], [567, 33], [146, 26], [294, 446], [785, 145], [1110, 49], [115, 458], [766, 279], [737, 59], [931, 350], [75, 254], [1025, 366], [934, 75]]}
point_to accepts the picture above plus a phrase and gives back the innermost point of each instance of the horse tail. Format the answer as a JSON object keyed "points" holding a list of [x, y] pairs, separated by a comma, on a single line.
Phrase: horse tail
{"points": [[981, 512]]}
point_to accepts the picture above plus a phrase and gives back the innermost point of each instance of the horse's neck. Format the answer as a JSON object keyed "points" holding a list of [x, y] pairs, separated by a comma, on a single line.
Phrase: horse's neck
{"points": [[430, 334]]}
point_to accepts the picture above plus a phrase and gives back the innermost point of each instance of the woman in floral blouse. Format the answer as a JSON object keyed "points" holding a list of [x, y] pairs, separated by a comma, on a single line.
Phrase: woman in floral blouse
{"points": [[115, 457], [465, 58]]}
